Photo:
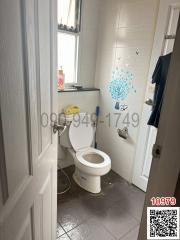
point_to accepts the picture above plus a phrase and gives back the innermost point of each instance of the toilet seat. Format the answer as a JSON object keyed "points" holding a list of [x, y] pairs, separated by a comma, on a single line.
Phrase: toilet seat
{"points": [[80, 156], [95, 169]]}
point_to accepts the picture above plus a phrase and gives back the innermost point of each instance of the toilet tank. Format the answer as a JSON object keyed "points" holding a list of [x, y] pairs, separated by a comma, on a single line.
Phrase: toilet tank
{"points": [[64, 138]]}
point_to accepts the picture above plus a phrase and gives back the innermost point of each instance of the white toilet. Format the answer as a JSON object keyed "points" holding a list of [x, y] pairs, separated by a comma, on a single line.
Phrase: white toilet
{"points": [[90, 163]]}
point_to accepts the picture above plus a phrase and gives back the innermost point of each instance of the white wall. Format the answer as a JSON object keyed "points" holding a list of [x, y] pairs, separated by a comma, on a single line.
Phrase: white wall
{"points": [[87, 101], [88, 42], [126, 27]]}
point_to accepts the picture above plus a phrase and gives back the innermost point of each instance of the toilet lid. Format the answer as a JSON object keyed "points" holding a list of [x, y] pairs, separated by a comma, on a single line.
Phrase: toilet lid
{"points": [[81, 135]]}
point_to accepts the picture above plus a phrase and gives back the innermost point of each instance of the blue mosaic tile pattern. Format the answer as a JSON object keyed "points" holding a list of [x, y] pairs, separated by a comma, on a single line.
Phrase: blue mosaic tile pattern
{"points": [[121, 85]]}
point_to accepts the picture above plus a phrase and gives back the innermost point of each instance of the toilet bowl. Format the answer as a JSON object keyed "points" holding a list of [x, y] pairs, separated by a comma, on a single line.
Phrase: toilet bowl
{"points": [[90, 163]]}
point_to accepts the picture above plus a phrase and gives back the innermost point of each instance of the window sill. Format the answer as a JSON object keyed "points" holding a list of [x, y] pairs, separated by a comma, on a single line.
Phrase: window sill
{"points": [[78, 90]]}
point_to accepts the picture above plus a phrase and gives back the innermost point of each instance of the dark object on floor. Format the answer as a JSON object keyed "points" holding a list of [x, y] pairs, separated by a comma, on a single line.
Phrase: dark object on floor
{"points": [[61, 174]]}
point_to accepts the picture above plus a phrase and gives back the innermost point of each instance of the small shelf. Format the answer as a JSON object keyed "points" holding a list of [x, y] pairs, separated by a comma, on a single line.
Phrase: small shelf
{"points": [[78, 90]]}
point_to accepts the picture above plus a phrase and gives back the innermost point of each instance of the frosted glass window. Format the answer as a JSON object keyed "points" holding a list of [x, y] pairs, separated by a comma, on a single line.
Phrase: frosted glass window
{"points": [[69, 15], [67, 56], [66, 12]]}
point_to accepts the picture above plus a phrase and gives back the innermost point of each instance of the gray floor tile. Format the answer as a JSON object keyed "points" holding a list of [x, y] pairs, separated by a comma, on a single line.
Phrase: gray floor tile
{"points": [[107, 182], [64, 237], [59, 231], [102, 201], [91, 230], [118, 221], [132, 199], [115, 211], [72, 213], [133, 235]]}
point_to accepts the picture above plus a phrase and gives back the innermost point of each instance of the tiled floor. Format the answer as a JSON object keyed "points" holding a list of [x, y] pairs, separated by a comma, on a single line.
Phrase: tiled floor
{"points": [[114, 214]]}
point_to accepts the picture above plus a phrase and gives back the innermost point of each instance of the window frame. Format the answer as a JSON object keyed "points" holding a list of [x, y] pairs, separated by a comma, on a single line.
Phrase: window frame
{"points": [[78, 14], [75, 32]]}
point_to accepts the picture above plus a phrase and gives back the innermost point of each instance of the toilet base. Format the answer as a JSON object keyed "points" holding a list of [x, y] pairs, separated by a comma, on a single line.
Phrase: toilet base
{"points": [[89, 183]]}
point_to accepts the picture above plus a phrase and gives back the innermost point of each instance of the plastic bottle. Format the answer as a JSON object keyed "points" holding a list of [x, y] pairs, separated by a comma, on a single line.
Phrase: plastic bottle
{"points": [[61, 78]]}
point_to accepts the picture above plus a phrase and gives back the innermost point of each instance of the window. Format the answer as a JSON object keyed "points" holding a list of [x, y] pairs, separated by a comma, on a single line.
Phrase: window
{"points": [[69, 16]]}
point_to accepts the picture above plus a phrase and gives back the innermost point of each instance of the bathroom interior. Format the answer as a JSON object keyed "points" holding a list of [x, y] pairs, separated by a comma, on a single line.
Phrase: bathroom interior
{"points": [[107, 53]]}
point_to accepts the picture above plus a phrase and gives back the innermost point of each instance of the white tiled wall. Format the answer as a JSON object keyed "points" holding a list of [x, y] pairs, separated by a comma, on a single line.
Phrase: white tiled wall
{"points": [[87, 101], [88, 42], [126, 35]]}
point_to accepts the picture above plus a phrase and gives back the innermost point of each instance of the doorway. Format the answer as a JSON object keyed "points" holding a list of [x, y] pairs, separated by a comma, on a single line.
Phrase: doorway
{"points": [[163, 44]]}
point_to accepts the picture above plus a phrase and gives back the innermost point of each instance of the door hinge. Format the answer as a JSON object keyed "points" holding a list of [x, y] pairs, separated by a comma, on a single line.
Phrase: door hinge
{"points": [[156, 151]]}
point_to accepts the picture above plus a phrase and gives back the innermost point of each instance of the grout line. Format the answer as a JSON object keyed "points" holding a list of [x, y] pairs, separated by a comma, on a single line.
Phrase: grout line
{"points": [[68, 236], [108, 231], [129, 232], [62, 228], [59, 238], [82, 222], [78, 225], [86, 222]]}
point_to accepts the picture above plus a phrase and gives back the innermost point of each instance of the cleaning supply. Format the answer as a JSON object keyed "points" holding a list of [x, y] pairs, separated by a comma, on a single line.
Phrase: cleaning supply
{"points": [[97, 117], [61, 78], [71, 109]]}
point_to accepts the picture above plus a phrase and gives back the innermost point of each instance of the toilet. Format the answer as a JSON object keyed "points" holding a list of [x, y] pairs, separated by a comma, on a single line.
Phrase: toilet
{"points": [[90, 163]]}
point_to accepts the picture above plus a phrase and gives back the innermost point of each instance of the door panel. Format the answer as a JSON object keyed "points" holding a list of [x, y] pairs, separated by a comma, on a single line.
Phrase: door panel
{"points": [[169, 10], [31, 66], [148, 155], [28, 31], [45, 195], [45, 81], [26, 230], [12, 94]]}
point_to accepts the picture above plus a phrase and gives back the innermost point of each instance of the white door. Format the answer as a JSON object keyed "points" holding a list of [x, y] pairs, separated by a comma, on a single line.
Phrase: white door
{"points": [[165, 168], [28, 149], [166, 25]]}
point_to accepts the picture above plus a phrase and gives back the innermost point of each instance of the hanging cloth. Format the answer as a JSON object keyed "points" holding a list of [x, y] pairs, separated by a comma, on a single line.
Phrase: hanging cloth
{"points": [[159, 78]]}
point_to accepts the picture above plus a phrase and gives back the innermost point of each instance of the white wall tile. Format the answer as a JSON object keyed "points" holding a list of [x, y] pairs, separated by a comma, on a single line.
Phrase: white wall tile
{"points": [[88, 51], [88, 42], [125, 39], [134, 37], [137, 13], [87, 101], [90, 14]]}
